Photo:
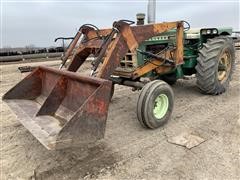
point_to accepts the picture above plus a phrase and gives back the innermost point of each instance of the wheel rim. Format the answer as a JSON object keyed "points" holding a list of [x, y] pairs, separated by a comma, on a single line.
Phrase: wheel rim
{"points": [[160, 106], [224, 66]]}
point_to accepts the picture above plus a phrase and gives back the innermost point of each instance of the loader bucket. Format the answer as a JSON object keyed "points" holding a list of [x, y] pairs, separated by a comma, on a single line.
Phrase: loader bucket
{"points": [[61, 108]]}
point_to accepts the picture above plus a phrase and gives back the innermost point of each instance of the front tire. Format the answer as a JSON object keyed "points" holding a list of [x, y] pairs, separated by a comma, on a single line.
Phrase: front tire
{"points": [[215, 65], [155, 104]]}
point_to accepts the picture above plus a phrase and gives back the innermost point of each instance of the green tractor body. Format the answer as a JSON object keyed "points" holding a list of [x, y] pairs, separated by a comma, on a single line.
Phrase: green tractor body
{"points": [[193, 42]]}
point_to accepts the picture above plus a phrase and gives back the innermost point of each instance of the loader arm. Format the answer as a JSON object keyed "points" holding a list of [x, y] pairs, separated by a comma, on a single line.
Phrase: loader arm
{"points": [[126, 38]]}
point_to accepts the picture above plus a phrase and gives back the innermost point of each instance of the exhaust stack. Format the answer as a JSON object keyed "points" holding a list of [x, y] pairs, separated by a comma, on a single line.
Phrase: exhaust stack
{"points": [[151, 11]]}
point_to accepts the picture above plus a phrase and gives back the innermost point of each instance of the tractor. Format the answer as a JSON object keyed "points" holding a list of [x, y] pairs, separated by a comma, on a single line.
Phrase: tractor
{"points": [[62, 108], [208, 53]]}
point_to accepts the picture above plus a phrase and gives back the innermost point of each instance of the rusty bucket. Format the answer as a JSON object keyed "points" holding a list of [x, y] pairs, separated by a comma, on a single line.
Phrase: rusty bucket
{"points": [[61, 108]]}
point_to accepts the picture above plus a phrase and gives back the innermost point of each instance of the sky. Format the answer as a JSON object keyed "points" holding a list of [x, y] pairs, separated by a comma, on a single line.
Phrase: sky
{"points": [[25, 22]]}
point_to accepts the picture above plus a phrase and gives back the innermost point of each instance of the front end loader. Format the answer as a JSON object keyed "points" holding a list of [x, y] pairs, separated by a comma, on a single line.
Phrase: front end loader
{"points": [[63, 109]]}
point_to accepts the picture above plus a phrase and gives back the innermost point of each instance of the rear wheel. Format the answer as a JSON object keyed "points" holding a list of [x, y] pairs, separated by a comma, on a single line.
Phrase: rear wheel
{"points": [[155, 104], [215, 65]]}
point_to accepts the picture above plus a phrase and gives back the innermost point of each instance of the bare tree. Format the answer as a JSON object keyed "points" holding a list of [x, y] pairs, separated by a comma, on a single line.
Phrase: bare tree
{"points": [[30, 47], [7, 48]]}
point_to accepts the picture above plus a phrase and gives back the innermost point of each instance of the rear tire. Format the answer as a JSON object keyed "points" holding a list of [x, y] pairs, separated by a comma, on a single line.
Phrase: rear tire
{"points": [[215, 65], [155, 104]]}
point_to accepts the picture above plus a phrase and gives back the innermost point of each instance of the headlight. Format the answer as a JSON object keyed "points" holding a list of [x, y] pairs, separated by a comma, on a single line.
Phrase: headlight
{"points": [[215, 31], [208, 31]]}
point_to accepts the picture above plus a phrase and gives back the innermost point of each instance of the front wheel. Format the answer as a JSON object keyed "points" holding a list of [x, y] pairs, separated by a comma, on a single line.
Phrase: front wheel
{"points": [[155, 104]]}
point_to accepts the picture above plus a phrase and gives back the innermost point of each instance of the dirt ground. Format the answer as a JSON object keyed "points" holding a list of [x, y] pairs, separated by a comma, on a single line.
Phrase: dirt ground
{"points": [[129, 151]]}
